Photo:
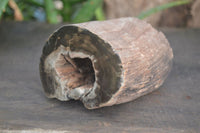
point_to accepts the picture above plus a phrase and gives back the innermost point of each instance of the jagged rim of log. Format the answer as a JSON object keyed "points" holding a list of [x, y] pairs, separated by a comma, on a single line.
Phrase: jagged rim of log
{"points": [[106, 63]]}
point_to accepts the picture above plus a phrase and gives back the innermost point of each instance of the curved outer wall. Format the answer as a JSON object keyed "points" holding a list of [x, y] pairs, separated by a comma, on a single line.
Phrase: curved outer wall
{"points": [[145, 54]]}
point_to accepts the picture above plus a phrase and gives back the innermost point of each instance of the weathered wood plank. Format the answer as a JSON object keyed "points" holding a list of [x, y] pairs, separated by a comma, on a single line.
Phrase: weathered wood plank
{"points": [[23, 106]]}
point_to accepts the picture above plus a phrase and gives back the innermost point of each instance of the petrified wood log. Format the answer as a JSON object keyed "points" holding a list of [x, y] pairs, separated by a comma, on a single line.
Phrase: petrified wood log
{"points": [[105, 63]]}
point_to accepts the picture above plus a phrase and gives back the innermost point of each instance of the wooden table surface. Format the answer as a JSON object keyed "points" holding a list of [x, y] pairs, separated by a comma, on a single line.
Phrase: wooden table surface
{"points": [[174, 108]]}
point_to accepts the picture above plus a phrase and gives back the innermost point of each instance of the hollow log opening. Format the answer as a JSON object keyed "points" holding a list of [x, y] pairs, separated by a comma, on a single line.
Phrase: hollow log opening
{"points": [[75, 72]]}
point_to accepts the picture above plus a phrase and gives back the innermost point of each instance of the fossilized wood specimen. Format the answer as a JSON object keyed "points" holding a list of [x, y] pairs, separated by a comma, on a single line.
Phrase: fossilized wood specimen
{"points": [[105, 63]]}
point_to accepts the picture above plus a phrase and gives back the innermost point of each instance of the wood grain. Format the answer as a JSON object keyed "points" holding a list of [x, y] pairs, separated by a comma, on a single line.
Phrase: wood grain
{"points": [[129, 57], [23, 106]]}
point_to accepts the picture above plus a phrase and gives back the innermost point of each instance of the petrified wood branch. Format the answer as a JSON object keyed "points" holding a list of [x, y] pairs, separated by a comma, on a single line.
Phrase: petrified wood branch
{"points": [[105, 63]]}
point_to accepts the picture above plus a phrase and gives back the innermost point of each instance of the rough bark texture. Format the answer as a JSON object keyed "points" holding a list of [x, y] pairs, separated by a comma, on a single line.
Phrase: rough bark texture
{"points": [[129, 58], [195, 22], [132, 8], [180, 16]]}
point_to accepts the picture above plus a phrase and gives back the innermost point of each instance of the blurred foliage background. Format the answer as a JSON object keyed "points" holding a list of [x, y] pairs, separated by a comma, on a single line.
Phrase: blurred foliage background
{"points": [[71, 11], [52, 11]]}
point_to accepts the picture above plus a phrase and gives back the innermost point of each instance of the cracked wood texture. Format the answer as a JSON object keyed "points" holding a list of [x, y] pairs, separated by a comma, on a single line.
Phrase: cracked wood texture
{"points": [[130, 59], [174, 108]]}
